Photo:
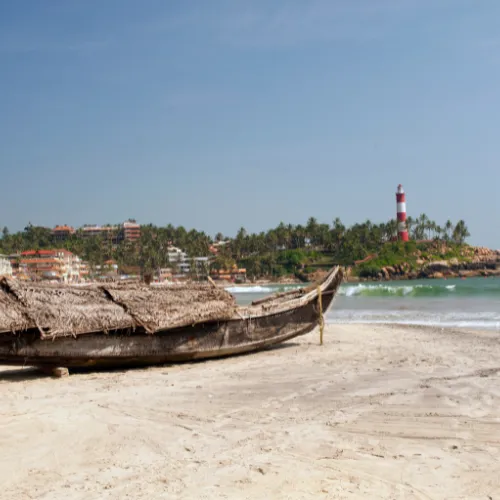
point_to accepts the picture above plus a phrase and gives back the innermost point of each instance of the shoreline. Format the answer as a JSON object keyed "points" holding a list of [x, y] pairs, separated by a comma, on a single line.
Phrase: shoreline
{"points": [[356, 280]]}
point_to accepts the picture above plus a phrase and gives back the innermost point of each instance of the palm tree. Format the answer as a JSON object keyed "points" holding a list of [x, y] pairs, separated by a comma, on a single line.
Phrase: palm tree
{"points": [[431, 229], [448, 228], [338, 232], [242, 234], [420, 227], [323, 235], [281, 235], [311, 228], [461, 232], [410, 223], [391, 229], [299, 236], [438, 231]]}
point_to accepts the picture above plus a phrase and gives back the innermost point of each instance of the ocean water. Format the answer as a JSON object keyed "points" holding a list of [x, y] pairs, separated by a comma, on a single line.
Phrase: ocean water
{"points": [[472, 303]]}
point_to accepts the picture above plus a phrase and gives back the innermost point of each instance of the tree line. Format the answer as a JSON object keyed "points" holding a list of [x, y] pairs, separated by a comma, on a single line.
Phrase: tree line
{"points": [[283, 249]]}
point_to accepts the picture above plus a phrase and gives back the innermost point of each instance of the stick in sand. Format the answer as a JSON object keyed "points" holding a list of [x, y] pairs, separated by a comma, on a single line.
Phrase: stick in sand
{"points": [[321, 319]]}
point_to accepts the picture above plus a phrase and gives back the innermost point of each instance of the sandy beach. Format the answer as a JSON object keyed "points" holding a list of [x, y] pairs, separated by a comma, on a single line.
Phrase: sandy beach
{"points": [[376, 412]]}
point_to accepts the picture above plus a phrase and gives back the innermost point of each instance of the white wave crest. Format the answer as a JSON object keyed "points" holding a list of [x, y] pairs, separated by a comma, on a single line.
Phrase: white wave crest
{"points": [[249, 289], [262, 289], [399, 290], [351, 291]]}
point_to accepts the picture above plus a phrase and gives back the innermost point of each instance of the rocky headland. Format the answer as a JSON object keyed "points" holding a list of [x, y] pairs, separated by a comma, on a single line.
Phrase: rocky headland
{"points": [[470, 261]]}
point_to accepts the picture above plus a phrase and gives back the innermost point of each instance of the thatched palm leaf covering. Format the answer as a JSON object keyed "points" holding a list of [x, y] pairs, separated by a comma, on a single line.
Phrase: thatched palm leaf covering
{"points": [[65, 310], [161, 308], [12, 314], [58, 311]]}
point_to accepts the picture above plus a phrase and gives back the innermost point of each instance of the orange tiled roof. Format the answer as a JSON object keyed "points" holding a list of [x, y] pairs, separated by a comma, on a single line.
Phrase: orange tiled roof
{"points": [[38, 252]]}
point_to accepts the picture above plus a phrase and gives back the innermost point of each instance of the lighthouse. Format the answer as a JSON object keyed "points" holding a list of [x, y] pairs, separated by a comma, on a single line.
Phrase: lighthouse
{"points": [[401, 214]]}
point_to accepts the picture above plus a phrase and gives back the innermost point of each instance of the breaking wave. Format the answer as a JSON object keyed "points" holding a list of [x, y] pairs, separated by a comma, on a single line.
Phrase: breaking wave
{"points": [[419, 290]]}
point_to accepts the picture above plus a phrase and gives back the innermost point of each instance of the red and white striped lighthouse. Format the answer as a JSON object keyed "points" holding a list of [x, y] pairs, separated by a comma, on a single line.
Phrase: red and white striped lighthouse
{"points": [[401, 213]]}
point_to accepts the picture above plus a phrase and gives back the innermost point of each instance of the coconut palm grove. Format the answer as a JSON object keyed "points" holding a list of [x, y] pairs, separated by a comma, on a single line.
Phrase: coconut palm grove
{"points": [[287, 249]]}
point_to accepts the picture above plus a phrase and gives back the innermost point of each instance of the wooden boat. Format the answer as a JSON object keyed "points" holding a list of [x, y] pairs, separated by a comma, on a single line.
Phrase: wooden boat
{"points": [[106, 326]]}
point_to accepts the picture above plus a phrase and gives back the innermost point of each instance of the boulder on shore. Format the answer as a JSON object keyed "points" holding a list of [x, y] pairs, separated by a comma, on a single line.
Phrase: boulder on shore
{"points": [[436, 275]]}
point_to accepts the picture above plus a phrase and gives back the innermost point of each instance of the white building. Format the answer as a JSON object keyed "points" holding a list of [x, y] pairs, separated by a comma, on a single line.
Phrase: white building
{"points": [[179, 259], [73, 269], [185, 264], [5, 267]]}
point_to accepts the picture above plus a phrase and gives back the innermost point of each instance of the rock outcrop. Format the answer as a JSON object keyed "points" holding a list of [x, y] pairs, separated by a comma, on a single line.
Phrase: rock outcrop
{"points": [[474, 261]]}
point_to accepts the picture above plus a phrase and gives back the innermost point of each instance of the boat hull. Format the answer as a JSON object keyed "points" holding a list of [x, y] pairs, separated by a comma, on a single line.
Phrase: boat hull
{"points": [[125, 348]]}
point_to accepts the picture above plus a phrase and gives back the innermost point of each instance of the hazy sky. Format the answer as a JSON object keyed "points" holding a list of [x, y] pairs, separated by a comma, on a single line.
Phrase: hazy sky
{"points": [[227, 113]]}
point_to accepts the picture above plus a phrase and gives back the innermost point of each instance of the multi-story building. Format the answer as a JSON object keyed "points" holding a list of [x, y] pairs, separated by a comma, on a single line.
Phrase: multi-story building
{"points": [[84, 271], [62, 233], [5, 266], [41, 266], [183, 264], [131, 231], [94, 230], [60, 265], [179, 259], [128, 231]]}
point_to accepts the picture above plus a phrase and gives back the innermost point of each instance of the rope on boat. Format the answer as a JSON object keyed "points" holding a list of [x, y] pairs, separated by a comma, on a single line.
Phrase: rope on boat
{"points": [[321, 319]]}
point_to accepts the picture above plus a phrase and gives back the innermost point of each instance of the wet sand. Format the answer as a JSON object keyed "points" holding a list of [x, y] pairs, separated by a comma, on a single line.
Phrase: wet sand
{"points": [[376, 412]]}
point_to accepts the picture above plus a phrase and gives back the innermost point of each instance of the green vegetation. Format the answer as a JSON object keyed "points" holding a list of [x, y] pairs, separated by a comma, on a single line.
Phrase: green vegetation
{"points": [[286, 249], [412, 254]]}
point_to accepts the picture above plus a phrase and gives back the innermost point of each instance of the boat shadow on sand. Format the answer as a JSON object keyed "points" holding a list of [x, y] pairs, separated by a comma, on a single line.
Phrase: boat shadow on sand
{"points": [[27, 373]]}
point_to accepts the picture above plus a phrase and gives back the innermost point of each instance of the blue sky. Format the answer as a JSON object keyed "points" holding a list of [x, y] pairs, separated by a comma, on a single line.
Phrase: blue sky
{"points": [[232, 113]]}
